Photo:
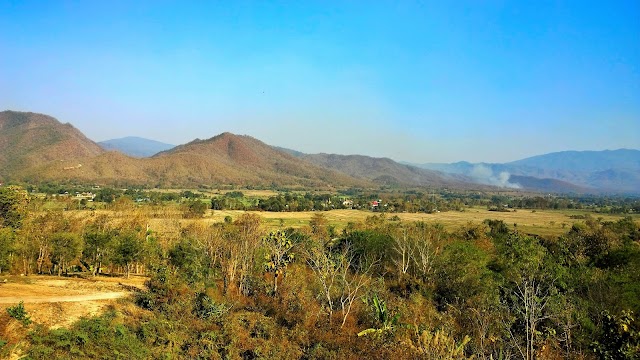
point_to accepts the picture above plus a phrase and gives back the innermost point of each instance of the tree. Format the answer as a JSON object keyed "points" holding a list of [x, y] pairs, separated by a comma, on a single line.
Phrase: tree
{"points": [[332, 269], [319, 226], [194, 209], [97, 244], [13, 201], [186, 256], [529, 290], [128, 250], [65, 247], [36, 237], [278, 255], [239, 244], [7, 240], [620, 337], [326, 267]]}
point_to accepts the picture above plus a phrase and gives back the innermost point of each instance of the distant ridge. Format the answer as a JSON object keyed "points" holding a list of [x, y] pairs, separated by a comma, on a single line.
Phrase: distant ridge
{"points": [[135, 146], [384, 171], [606, 171], [38, 148], [291, 152]]}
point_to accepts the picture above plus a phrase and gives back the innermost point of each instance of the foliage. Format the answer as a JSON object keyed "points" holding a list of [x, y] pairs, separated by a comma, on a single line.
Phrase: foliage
{"points": [[440, 345], [194, 208], [128, 249], [206, 308], [482, 289], [383, 319], [7, 243], [620, 338], [13, 201], [19, 313], [278, 255], [102, 337]]}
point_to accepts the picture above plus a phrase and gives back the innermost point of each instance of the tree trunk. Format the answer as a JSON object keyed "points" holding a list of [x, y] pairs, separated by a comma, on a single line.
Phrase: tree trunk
{"points": [[275, 283]]}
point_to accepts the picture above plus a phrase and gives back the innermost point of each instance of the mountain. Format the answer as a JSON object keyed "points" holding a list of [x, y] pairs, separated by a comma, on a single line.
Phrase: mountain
{"points": [[609, 171], [384, 171], [547, 185], [135, 146], [223, 159], [584, 161], [29, 140], [241, 159], [37, 148], [291, 152]]}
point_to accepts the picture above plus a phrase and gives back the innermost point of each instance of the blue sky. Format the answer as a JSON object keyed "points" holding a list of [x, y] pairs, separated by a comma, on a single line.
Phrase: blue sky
{"points": [[428, 81]]}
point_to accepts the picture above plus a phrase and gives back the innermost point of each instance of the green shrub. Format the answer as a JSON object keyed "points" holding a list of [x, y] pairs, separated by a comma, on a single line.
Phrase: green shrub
{"points": [[96, 338], [19, 313]]}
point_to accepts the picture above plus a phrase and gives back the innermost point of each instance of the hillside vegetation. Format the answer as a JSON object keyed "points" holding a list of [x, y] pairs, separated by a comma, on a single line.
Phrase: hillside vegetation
{"points": [[37, 148], [379, 288]]}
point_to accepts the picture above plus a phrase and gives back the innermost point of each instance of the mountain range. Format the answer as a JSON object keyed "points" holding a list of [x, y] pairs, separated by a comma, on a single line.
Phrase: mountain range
{"points": [[612, 171], [135, 146], [39, 148]]}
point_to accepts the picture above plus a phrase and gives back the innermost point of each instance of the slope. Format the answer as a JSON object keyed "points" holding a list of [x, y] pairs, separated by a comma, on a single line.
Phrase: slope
{"points": [[29, 140], [384, 170], [243, 160]]}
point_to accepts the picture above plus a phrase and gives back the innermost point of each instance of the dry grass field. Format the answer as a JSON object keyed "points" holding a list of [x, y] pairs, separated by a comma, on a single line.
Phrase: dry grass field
{"points": [[539, 222]]}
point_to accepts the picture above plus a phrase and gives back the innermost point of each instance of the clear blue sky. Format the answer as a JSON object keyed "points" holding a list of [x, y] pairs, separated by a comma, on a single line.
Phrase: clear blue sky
{"points": [[428, 81]]}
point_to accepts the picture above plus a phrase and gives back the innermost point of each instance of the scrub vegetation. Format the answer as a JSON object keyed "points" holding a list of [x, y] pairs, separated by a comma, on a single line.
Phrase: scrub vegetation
{"points": [[379, 282]]}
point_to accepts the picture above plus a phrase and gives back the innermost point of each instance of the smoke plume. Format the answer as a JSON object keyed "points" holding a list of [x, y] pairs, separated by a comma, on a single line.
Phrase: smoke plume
{"points": [[485, 175]]}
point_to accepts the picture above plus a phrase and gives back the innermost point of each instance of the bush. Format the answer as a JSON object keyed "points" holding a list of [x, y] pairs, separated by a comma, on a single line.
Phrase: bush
{"points": [[206, 308], [102, 337], [19, 313]]}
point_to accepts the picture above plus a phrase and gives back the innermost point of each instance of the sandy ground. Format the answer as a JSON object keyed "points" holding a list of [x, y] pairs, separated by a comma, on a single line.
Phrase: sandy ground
{"points": [[59, 302]]}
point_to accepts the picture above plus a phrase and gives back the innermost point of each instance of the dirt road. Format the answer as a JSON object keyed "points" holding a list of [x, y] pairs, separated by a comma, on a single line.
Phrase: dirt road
{"points": [[67, 298]]}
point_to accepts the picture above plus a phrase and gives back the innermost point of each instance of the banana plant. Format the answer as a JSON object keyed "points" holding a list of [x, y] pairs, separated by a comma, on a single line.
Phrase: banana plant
{"points": [[382, 317]]}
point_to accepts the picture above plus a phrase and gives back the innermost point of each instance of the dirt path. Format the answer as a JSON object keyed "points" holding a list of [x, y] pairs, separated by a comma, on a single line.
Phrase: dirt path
{"points": [[68, 298]]}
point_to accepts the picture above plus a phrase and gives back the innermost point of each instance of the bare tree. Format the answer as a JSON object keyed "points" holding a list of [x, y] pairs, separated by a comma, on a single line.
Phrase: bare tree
{"points": [[425, 247], [326, 267], [340, 285], [351, 283], [402, 246]]}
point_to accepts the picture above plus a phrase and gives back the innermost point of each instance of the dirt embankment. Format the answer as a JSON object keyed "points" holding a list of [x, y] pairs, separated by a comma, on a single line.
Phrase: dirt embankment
{"points": [[58, 302]]}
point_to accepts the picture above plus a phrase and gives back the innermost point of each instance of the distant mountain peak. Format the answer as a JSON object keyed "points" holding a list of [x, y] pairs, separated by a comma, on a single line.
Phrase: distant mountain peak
{"points": [[136, 146], [610, 171]]}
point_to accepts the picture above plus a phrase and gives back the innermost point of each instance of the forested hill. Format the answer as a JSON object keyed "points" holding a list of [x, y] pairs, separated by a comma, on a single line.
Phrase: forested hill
{"points": [[28, 140], [384, 170], [38, 148]]}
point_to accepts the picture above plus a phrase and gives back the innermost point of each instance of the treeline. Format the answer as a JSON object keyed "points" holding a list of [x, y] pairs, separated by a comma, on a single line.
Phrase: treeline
{"points": [[390, 200], [380, 288]]}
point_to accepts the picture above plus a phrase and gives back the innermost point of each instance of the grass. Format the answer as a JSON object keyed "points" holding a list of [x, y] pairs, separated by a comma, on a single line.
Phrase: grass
{"points": [[539, 222]]}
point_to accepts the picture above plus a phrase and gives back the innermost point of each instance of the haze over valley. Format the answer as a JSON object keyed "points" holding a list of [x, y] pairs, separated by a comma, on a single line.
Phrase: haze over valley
{"points": [[41, 148]]}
